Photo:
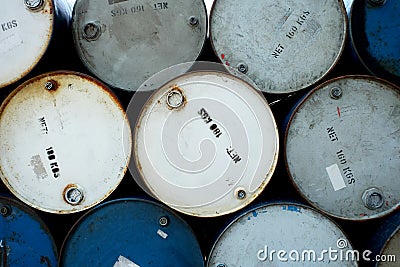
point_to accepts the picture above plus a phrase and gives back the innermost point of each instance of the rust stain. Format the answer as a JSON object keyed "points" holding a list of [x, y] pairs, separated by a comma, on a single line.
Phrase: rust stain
{"points": [[180, 90]]}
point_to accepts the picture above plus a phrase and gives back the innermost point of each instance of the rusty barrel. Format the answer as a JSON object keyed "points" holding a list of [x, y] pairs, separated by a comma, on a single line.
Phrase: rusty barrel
{"points": [[210, 138], [342, 147], [65, 142]]}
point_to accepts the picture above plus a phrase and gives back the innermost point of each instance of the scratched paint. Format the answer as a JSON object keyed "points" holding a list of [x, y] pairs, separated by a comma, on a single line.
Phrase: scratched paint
{"points": [[352, 142]]}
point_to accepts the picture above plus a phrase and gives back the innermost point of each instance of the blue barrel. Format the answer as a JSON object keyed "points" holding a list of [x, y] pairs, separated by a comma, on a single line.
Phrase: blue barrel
{"points": [[374, 31], [24, 238], [131, 232]]}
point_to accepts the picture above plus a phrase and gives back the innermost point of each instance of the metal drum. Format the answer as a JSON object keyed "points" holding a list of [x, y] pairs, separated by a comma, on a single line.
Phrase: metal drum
{"points": [[208, 137], [283, 46], [65, 142], [26, 29], [131, 232], [124, 42], [282, 234], [374, 30], [24, 238], [342, 147]]}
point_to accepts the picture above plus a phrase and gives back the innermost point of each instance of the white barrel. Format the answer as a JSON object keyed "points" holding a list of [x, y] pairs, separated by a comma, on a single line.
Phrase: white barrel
{"points": [[342, 147], [26, 27], [124, 42], [206, 144], [283, 46], [65, 142], [282, 234]]}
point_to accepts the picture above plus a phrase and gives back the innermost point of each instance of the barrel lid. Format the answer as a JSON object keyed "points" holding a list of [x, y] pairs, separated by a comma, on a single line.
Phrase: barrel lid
{"points": [[373, 31], [65, 142], [209, 138], [131, 231], [342, 147], [25, 32], [24, 238], [124, 42], [284, 46], [249, 239]]}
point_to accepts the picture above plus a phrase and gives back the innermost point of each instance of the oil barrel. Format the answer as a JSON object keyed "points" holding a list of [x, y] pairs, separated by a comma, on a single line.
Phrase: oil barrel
{"points": [[283, 46], [374, 27], [210, 138], [342, 147], [279, 234], [124, 42], [25, 240], [131, 232], [65, 142], [27, 31]]}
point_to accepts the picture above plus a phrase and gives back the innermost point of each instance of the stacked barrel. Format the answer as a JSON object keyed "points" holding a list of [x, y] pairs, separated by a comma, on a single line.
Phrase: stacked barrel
{"points": [[180, 132]]}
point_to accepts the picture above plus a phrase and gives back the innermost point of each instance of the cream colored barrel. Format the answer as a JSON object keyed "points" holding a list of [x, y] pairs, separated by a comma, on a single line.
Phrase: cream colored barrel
{"points": [[65, 142]]}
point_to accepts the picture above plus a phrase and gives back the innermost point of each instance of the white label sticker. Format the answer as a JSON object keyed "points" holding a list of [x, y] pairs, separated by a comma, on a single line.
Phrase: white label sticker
{"points": [[336, 177], [162, 233], [124, 262]]}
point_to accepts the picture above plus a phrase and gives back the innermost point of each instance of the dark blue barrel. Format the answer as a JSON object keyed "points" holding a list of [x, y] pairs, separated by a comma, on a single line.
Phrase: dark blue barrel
{"points": [[374, 31], [24, 238], [131, 232]]}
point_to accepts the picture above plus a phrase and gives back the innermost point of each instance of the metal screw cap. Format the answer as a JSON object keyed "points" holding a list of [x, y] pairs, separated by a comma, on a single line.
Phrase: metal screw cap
{"points": [[73, 195], [5, 210], [242, 67], [49, 85], [34, 4], [373, 198], [163, 221], [221, 265], [91, 31], [241, 194], [193, 21], [336, 93], [175, 99]]}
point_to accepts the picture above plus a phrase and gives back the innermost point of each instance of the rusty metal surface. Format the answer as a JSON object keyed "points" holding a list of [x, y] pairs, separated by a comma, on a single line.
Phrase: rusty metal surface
{"points": [[70, 133], [348, 129], [25, 240], [283, 46], [124, 43], [210, 138], [24, 38]]}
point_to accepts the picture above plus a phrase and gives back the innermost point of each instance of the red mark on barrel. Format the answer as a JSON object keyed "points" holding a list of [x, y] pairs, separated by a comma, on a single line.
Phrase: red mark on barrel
{"points": [[387, 203], [338, 111], [227, 63], [222, 56]]}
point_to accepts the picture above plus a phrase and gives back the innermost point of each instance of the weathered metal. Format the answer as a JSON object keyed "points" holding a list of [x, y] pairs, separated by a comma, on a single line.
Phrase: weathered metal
{"points": [[131, 232], [65, 142], [342, 147], [208, 137]]}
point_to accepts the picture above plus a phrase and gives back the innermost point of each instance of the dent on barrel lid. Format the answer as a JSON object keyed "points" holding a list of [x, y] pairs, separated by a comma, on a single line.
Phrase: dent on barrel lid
{"points": [[374, 27], [126, 42], [24, 238], [349, 129], [297, 230], [65, 142], [25, 32], [210, 138], [131, 232], [284, 46]]}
